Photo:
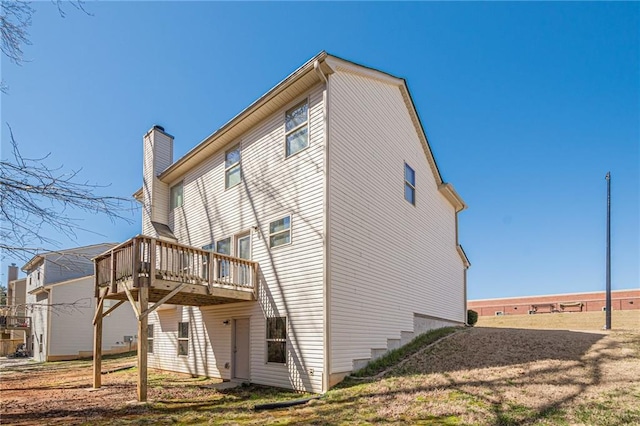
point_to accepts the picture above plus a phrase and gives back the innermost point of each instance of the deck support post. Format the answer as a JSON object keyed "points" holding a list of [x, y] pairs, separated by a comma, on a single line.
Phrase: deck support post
{"points": [[97, 345], [143, 321]]}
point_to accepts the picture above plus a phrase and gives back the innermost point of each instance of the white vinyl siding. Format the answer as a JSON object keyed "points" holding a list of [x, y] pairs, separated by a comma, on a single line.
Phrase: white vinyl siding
{"points": [[271, 188], [157, 156], [71, 329], [388, 259]]}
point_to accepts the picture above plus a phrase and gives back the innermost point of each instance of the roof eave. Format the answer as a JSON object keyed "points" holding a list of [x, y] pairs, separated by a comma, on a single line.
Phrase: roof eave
{"points": [[183, 164], [454, 198]]}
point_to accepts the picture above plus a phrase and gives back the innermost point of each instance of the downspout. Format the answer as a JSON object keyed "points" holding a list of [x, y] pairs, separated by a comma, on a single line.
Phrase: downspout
{"points": [[48, 330], [325, 263]]}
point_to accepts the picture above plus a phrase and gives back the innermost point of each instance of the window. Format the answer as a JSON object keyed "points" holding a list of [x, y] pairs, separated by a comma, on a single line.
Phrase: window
{"points": [[280, 232], [223, 247], [205, 265], [409, 184], [296, 129], [150, 338], [183, 338], [277, 340], [232, 172], [40, 344], [176, 195]]}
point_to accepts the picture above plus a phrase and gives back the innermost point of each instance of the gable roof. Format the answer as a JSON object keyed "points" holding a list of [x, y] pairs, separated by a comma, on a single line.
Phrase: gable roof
{"points": [[300, 80], [84, 249]]}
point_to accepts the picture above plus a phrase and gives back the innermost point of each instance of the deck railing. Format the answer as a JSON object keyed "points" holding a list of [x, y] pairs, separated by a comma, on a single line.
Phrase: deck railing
{"points": [[15, 322], [143, 257]]}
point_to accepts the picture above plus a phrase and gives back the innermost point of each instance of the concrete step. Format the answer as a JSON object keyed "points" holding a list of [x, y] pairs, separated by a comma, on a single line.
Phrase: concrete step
{"points": [[406, 337], [359, 364], [393, 344], [378, 352]]}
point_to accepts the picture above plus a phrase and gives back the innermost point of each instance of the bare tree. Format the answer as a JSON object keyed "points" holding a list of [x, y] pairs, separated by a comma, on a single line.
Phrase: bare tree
{"points": [[14, 24], [34, 195], [15, 21]]}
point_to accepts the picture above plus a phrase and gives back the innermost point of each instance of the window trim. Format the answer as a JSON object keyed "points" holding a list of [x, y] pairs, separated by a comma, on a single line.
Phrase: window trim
{"points": [[298, 127], [181, 184], [239, 164], [290, 230], [267, 340], [407, 183], [183, 339]]}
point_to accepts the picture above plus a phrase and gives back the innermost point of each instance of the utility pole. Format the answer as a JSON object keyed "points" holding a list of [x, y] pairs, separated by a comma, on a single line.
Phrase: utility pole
{"points": [[608, 296]]}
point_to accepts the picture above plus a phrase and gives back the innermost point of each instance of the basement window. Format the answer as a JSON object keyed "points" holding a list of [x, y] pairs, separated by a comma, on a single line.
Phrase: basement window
{"points": [[177, 198], [296, 128], [183, 338], [277, 340], [150, 338]]}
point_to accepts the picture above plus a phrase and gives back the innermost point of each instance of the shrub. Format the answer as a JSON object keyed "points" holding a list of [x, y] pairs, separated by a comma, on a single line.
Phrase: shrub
{"points": [[472, 317]]}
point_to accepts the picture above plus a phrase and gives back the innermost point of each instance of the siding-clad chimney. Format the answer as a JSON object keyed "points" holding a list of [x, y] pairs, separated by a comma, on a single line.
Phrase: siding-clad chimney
{"points": [[157, 156]]}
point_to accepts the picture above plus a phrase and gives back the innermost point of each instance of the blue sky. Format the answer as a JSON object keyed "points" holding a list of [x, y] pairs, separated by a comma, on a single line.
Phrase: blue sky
{"points": [[526, 106]]}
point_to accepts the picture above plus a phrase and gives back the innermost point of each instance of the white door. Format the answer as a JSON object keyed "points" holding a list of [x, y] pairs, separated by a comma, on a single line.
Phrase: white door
{"points": [[241, 349]]}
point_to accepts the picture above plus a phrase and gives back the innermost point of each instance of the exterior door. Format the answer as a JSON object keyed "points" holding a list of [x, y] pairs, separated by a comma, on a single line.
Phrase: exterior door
{"points": [[243, 251], [241, 349]]}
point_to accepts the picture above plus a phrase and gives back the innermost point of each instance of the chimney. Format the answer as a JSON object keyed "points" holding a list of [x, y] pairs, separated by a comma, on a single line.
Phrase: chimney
{"points": [[13, 273], [157, 157]]}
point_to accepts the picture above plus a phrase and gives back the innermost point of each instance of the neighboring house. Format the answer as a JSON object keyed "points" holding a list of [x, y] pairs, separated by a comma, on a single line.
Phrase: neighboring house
{"points": [[621, 300], [14, 324], [305, 237], [60, 299]]}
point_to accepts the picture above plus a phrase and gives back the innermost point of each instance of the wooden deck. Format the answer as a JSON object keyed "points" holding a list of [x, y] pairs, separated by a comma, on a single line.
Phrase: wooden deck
{"points": [[9, 322], [174, 274]]}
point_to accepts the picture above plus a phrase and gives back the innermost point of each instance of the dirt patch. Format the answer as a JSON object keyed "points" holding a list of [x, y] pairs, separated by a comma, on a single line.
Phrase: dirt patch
{"points": [[61, 392], [480, 376]]}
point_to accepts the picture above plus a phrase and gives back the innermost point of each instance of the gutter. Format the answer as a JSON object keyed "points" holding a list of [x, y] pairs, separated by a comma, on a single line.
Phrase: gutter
{"points": [[326, 376]]}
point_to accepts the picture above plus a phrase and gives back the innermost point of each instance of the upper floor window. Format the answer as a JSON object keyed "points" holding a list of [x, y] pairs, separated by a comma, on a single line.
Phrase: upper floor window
{"points": [[176, 195], [232, 172], [280, 232], [296, 128], [409, 184]]}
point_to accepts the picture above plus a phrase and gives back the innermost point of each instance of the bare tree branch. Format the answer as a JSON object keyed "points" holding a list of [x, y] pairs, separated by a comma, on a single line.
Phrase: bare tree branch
{"points": [[55, 308], [15, 20], [34, 196]]}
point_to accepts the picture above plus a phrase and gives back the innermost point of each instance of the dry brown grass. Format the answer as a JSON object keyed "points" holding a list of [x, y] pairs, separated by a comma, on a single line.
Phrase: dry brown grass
{"points": [[480, 376], [620, 320]]}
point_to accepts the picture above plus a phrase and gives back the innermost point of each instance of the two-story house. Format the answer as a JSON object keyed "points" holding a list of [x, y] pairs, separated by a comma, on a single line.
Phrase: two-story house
{"points": [[14, 324], [60, 303], [308, 235]]}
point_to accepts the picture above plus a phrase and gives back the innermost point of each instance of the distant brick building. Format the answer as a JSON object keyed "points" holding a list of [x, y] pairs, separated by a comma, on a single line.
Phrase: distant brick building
{"points": [[575, 302]]}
